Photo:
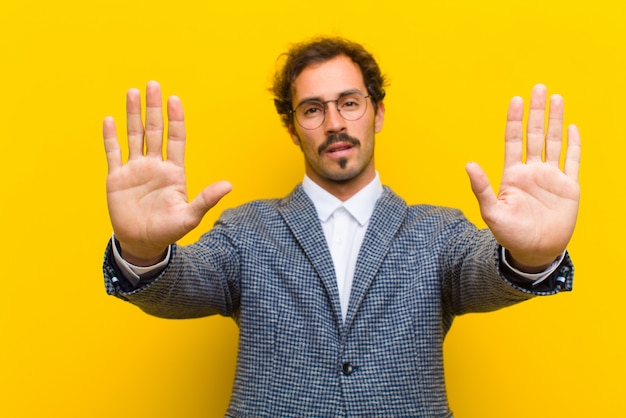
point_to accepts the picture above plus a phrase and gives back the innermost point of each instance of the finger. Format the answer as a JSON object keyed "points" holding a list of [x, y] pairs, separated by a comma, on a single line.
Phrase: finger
{"points": [[208, 198], [111, 144], [554, 134], [535, 137], [175, 131], [514, 136], [154, 120], [483, 191], [134, 125], [572, 157]]}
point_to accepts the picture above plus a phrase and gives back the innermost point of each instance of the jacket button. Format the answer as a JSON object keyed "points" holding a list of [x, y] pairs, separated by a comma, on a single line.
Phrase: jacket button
{"points": [[347, 368]]}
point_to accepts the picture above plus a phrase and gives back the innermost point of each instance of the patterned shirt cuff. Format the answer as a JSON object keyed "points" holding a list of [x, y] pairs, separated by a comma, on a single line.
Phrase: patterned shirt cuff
{"points": [[133, 273], [536, 278]]}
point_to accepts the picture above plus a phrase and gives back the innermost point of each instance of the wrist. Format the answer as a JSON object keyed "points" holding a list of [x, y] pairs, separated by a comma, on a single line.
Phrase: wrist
{"points": [[140, 257], [529, 264]]}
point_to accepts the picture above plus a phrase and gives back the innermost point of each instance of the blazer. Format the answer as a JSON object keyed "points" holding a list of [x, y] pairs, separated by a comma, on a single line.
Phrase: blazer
{"points": [[267, 265]]}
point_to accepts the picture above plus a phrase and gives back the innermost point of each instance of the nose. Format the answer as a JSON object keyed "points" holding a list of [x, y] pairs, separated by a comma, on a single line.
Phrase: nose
{"points": [[333, 122]]}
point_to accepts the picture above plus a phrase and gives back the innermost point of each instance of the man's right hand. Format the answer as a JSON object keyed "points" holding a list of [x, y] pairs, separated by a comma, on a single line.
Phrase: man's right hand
{"points": [[147, 196]]}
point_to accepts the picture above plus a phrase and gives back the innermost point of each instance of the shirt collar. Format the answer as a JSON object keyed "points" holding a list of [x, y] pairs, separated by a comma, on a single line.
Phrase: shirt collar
{"points": [[360, 206]]}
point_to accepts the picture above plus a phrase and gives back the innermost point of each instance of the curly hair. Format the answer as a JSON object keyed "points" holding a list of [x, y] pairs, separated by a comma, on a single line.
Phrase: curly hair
{"points": [[320, 50]]}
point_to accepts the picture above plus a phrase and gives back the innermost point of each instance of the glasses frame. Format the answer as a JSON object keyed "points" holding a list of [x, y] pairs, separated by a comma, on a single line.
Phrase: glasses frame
{"points": [[325, 107]]}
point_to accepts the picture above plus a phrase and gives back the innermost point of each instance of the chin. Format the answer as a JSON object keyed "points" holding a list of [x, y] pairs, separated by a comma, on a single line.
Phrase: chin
{"points": [[344, 175]]}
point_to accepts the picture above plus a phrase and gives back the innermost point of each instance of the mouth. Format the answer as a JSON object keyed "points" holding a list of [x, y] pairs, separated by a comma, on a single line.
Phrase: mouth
{"points": [[339, 146], [339, 150]]}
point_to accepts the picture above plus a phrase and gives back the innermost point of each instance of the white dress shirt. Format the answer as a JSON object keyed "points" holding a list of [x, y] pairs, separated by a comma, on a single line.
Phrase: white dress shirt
{"points": [[344, 225]]}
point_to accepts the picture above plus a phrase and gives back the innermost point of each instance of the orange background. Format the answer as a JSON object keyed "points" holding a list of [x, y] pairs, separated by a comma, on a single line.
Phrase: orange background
{"points": [[69, 350]]}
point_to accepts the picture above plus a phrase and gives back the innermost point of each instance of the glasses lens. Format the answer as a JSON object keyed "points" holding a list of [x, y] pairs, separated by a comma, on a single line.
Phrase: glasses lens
{"points": [[311, 114], [352, 106]]}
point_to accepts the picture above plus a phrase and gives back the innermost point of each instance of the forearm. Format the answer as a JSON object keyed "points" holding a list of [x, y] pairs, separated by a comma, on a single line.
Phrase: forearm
{"points": [[478, 279], [191, 285]]}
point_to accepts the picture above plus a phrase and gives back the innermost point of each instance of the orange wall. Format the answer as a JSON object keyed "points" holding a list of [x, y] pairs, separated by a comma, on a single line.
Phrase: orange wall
{"points": [[69, 350]]}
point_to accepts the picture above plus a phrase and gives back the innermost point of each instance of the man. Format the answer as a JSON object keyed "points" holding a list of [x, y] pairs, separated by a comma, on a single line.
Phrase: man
{"points": [[343, 294]]}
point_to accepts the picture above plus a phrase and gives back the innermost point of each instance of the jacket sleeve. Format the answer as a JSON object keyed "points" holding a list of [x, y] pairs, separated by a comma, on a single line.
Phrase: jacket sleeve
{"points": [[199, 280], [475, 278]]}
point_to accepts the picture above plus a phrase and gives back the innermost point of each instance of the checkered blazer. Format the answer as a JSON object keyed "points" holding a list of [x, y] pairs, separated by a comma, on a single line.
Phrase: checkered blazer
{"points": [[267, 265]]}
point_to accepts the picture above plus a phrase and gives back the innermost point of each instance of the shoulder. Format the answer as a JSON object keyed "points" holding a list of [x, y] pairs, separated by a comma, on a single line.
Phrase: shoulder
{"points": [[267, 210], [432, 225], [391, 202]]}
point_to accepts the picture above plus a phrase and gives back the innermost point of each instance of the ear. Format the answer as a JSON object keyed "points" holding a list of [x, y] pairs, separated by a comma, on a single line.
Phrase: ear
{"points": [[380, 117], [293, 134]]}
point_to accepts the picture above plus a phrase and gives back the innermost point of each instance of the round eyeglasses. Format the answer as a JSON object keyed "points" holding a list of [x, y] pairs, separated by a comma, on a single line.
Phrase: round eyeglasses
{"points": [[310, 114]]}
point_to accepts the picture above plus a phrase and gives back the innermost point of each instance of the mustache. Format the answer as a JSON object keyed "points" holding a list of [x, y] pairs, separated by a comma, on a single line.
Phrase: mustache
{"points": [[340, 137]]}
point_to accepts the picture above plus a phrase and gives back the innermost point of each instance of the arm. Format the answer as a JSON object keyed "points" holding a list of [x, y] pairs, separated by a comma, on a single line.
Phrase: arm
{"points": [[476, 277], [147, 196], [534, 213], [210, 269]]}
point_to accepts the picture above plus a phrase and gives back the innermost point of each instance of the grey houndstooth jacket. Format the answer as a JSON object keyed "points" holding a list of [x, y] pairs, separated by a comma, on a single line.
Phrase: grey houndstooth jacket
{"points": [[267, 265]]}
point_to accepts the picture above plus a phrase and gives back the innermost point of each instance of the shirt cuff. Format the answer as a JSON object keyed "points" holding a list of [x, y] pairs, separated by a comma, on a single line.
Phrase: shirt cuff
{"points": [[132, 272], [535, 278]]}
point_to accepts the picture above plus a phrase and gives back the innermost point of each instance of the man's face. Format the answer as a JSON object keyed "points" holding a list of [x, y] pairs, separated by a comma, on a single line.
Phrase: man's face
{"points": [[339, 154]]}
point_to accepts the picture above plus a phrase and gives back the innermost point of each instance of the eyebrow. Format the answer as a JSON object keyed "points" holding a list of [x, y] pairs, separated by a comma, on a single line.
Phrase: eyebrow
{"points": [[321, 100]]}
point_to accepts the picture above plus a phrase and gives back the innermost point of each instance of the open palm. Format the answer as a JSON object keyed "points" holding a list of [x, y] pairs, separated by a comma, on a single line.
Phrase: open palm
{"points": [[147, 196], [534, 213]]}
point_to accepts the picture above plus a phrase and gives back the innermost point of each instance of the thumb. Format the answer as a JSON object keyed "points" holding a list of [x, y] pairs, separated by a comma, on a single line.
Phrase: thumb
{"points": [[209, 198], [481, 187]]}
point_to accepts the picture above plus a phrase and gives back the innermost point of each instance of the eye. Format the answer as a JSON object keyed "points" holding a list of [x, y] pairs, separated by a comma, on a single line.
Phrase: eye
{"points": [[350, 102], [311, 109]]}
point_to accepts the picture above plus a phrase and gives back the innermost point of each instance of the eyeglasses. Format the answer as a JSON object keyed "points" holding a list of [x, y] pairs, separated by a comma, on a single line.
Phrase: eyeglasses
{"points": [[310, 114]]}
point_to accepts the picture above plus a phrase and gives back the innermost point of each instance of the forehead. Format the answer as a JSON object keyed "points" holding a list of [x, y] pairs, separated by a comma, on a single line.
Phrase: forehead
{"points": [[328, 79]]}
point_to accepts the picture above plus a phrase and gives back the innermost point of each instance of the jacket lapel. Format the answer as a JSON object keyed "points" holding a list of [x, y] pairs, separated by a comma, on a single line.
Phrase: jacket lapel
{"points": [[385, 221], [301, 217]]}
